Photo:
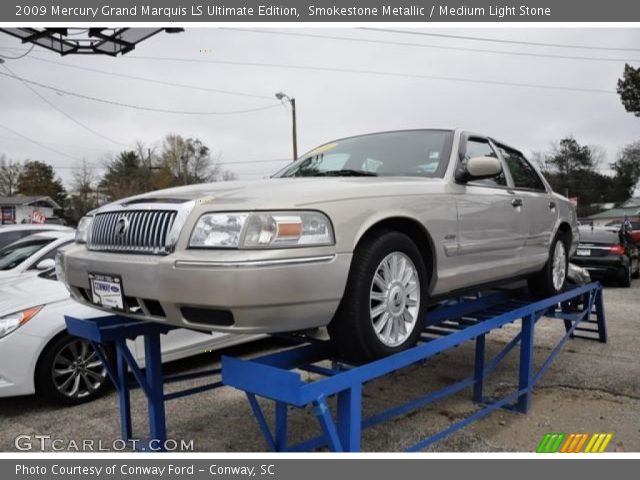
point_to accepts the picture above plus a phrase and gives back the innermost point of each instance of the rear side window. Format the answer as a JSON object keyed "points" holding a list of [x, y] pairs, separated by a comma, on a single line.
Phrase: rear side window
{"points": [[523, 174], [479, 147]]}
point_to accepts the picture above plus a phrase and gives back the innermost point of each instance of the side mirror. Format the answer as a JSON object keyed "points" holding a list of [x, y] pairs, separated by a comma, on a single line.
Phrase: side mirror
{"points": [[478, 168], [46, 264]]}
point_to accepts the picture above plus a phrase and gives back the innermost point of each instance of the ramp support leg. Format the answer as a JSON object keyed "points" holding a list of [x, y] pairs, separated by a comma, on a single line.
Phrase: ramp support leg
{"points": [[155, 402], [322, 411], [281, 441], [526, 364], [350, 418], [123, 390], [478, 374], [602, 324]]}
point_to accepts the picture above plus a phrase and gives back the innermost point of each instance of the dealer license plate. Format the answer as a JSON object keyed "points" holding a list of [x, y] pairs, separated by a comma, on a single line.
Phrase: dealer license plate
{"points": [[106, 290], [583, 252]]}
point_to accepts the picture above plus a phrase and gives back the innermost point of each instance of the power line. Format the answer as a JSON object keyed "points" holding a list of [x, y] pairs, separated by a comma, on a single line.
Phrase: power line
{"points": [[59, 110], [153, 80], [423, 45], [137, 107], [40, 144], [19, 56], [54, 144], [376, 72], [499, 40]]}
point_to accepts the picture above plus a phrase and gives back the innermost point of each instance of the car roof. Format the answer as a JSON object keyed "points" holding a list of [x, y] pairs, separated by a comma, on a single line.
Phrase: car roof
{"points": [[34, 227]]}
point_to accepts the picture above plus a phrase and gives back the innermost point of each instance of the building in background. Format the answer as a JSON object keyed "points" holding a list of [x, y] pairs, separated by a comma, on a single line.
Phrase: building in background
{"points": [[630, 209], [21, 209]]}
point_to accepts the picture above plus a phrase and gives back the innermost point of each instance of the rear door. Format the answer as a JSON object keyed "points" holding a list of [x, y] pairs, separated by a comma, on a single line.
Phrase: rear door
{"points": [[539, 207], [490, 226]]}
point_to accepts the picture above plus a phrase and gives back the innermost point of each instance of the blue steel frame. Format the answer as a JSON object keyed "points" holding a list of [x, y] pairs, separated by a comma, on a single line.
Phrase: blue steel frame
{"points": [[272, 376], [277, 376], [116, 330]]}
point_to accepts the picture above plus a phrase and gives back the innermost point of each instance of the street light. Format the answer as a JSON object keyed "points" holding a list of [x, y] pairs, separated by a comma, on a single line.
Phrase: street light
{"points": [[292, 101]]}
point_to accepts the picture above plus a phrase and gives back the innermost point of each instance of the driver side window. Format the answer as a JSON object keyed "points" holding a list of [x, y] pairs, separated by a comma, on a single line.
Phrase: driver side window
{"points": [[478, 147]]}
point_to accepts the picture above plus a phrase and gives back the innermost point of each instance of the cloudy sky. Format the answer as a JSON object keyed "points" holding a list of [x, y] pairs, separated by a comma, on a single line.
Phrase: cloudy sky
{"points": [[336, 92]]}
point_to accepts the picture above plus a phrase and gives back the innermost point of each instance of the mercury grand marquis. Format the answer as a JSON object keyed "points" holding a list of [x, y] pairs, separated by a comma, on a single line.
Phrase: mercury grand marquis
{"points": [[360, 234]]}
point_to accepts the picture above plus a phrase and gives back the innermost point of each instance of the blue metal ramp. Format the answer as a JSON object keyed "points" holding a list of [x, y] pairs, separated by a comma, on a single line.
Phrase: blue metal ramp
{"points": [[278, 377]]}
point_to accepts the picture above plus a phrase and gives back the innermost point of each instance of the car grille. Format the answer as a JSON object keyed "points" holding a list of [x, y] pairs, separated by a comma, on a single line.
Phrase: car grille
{"points": [[134, 231]]}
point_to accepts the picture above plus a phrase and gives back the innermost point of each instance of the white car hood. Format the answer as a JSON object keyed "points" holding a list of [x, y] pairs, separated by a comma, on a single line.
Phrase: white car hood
{"points": [[23, 293]]}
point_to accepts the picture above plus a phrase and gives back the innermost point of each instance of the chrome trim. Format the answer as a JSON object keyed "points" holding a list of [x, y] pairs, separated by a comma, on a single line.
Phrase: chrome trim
{"points": [[139, 238], [252, 263]]}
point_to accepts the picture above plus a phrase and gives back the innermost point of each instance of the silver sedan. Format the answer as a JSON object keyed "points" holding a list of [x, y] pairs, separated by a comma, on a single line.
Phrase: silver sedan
{"points": [[359, 234]]}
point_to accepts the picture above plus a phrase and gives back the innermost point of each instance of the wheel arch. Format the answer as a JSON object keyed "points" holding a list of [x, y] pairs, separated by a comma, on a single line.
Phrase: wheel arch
{"points": [[415, 230], [42, 351]]}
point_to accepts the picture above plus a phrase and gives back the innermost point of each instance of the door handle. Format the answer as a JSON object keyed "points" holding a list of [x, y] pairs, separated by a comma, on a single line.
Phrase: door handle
{"points": [[552, 205], [516, 202]]}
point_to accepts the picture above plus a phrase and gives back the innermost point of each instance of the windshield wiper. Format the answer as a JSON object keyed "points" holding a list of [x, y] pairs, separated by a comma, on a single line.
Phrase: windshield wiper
{"points": [[346, 173]]}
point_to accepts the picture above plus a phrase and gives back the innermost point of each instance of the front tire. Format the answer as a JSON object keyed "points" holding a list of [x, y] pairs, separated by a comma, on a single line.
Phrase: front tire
{"points": [[552, 279], [384, 304], [69, 372]]}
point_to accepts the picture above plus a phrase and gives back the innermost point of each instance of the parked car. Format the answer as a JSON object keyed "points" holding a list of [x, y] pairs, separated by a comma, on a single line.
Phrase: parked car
{"points": [[607, 254], [32, 254], [12, 233], [359, 234], [38, 356], [634, 234]]}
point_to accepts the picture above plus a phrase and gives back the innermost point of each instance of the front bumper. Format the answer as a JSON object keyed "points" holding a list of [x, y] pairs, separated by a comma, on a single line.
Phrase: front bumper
{"points": [[263, 294], [18, 356]]}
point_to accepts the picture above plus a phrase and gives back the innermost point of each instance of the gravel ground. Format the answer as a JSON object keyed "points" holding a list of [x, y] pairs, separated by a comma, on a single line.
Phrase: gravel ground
{"points": [[590, 387]]}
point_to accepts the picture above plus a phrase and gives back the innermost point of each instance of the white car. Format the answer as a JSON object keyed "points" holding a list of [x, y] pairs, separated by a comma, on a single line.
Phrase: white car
{"points": [[32, 254], [12, 233], [37, 355]]}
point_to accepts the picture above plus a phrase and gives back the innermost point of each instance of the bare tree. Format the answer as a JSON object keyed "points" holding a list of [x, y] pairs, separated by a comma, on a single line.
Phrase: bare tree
{"points": [[228, 176], [9, 174], [84, 195]]}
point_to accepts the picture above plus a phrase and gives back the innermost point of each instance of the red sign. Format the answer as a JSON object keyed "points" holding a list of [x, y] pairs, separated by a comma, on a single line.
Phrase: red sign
{"points": [[37, 217]]}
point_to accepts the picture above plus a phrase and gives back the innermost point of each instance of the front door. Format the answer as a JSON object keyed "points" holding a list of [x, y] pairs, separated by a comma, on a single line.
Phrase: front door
{"points": [[490, 224]]}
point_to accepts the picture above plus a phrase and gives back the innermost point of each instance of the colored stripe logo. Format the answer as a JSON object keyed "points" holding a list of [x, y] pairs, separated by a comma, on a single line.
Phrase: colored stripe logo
{"points": [[574, 443]]}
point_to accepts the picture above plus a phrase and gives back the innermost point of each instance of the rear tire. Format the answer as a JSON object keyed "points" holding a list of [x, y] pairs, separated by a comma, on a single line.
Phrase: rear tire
{"points": [[625, 279], [552, 279], [384, 304]]}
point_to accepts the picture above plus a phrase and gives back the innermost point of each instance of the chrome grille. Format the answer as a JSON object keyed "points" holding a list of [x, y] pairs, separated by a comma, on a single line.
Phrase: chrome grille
{"points": [[146, 231]]}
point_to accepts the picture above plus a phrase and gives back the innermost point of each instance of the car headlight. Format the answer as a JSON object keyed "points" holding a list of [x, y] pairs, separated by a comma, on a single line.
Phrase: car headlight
{"points": [[83, 230], [9, 323], [262, 230]]}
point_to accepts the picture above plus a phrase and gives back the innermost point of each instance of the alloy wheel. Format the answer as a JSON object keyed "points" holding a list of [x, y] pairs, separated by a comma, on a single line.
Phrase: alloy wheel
{"points": [[394, 299], [77, 370]]}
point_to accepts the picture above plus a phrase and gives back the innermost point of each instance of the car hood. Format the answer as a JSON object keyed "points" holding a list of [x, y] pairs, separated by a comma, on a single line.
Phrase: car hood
{"points": [[289, 192], [30, 292]]}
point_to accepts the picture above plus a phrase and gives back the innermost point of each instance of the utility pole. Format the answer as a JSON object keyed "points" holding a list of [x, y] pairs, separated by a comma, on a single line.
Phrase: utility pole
{"points": [[292, 101]]}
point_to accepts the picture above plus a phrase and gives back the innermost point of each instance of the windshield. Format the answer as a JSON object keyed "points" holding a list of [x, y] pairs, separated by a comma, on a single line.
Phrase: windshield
{"points": [[423, 153], [13, 255]]}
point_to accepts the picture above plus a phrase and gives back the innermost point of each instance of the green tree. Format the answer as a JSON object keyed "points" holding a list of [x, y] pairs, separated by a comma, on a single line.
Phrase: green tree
{"points": [[629, 89], [627, 172], [126, 175], [39, 179], [571, 169], [9, 173]]}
